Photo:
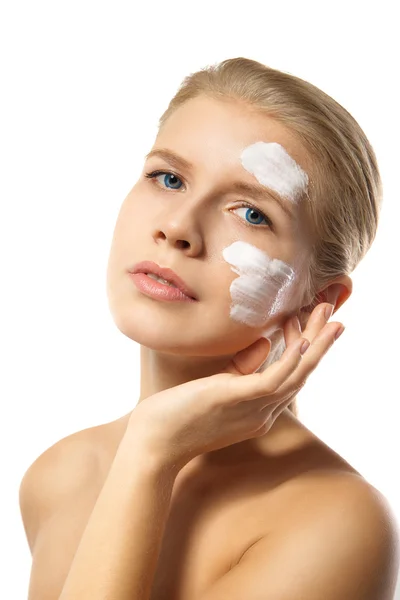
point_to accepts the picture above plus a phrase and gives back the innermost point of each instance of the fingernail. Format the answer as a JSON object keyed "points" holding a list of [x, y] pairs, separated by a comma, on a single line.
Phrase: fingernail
{"points": [[329, 311], [304, 346], [339, 332]]}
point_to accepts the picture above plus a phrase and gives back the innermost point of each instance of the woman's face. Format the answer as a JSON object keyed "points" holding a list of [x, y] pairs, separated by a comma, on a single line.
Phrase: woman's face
{"points": [[241, 253]]}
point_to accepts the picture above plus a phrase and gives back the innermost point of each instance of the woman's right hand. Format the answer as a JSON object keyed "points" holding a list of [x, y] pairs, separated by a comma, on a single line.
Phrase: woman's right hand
{"points": [[210, 413]]}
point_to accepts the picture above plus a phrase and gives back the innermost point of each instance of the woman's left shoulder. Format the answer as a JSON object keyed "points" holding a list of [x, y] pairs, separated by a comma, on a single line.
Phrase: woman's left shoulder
{"points": [[341, 494], [322, 477]]}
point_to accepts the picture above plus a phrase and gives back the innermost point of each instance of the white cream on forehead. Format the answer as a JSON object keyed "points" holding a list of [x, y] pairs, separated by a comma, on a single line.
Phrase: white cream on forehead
{"points": [[273, 167], [264, 286]]}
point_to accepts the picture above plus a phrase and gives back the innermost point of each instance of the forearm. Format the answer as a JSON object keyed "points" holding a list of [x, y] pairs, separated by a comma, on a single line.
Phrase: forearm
{"points": [[118, 552]]}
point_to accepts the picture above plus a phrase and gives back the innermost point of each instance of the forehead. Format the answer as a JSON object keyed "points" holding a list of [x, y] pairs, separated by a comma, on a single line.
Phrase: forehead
{"points": [[214, 132]]}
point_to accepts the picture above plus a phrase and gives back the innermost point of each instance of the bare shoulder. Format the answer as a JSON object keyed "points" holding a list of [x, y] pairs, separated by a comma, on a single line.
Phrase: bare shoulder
{"points": [[336, 492], [57, 495], [310, 486], [54, 477], [338, 522], [73, 467], [322, 484], [337, 538]]}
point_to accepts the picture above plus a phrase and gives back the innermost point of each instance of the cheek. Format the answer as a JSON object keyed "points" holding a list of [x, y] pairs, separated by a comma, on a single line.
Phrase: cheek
{"points": [[263, 288]]}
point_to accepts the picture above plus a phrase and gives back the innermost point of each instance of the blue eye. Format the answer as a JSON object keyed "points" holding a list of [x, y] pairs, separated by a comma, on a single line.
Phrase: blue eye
{"points": [[167, 175], [250, 210], [253, 215]]}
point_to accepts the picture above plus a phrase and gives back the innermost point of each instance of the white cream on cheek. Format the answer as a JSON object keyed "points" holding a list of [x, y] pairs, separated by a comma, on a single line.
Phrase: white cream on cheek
{"points": [[263, 286], [273, 167]]}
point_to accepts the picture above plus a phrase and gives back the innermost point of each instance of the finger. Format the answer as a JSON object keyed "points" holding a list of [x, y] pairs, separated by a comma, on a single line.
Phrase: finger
{"points": [[317, 320], [317, 350], [250, 358], [256, 385], [291, 330]]}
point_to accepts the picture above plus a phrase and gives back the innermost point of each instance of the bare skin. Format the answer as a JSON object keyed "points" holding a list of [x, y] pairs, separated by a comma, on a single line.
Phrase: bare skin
{"points": [[225, 501], [219, 510]]}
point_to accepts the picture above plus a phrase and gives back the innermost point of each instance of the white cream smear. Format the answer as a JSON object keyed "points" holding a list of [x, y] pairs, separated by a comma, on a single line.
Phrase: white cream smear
{"points": [[265, 285], [273, 167]]}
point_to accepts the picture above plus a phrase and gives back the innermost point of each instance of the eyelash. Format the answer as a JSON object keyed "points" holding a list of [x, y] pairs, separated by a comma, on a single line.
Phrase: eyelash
{"points": [[154, 174]]}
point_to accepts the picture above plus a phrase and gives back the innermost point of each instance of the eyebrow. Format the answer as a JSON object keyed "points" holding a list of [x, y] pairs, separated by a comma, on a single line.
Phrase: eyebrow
{"points": [[256, 191]]}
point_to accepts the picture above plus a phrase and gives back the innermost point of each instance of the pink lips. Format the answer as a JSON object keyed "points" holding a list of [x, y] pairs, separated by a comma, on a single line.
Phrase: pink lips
{"points": [[148, 266]]}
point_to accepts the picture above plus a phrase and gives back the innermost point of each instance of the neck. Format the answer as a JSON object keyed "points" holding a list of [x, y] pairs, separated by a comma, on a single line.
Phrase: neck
{"points": [[160, 371]]}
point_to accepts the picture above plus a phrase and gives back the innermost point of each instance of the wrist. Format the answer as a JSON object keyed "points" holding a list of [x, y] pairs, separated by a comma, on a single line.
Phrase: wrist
{"points": [[134, 450]]}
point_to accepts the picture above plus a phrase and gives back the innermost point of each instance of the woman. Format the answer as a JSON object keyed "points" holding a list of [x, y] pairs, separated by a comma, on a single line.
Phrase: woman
{"points": [[260, 196]]}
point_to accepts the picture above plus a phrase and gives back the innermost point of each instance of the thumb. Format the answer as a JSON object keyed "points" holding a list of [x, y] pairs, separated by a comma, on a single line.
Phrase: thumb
{"points": [[249, 359]]}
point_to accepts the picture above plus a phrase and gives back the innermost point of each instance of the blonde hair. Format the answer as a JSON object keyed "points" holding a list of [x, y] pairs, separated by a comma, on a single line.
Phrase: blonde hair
{"points": [[345, 191]]}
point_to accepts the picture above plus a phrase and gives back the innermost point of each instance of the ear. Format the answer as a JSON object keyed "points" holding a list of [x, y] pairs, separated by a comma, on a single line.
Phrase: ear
{"points": [[336, 292]]}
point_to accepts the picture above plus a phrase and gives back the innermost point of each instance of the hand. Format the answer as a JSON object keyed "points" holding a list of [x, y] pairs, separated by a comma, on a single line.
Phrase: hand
{"points": [[209, 413]]}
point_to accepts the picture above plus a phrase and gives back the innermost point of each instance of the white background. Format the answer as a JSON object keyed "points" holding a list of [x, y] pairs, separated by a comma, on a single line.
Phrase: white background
{"points": [[82, 86]]}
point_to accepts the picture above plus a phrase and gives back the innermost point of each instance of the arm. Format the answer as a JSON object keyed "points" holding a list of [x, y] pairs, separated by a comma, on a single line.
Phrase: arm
{"points": [[118, 552], [346, 547]]}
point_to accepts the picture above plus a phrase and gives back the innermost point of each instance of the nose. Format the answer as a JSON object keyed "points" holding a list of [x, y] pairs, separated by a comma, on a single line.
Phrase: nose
{"points": [[181, 227]]}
